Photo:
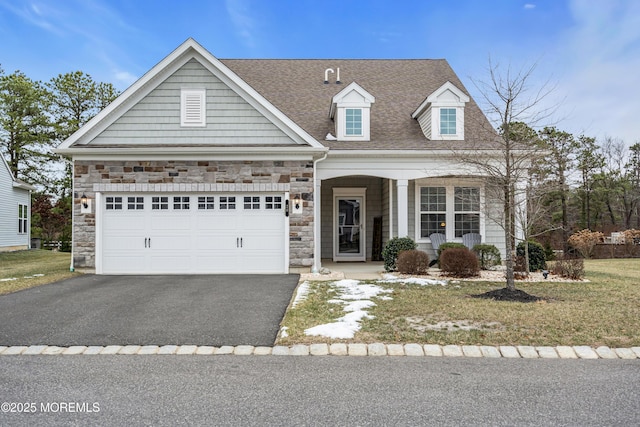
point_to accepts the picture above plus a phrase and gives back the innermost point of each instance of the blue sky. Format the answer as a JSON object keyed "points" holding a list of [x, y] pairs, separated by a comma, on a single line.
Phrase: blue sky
{"points": [[588, 49]]}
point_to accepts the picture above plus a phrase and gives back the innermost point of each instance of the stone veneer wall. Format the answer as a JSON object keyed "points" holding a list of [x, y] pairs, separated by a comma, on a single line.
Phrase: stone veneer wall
{"points": [[294, 176]]}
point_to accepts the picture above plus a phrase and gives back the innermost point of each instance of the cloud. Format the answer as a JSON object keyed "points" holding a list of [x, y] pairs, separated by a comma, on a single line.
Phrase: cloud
{"points": [[529, 6], [125, 77], [238, 11], [36, 15]]}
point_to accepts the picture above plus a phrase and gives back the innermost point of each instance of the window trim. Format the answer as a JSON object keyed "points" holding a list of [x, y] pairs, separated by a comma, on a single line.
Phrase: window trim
{"points": [[23, 218], [450, 213]]}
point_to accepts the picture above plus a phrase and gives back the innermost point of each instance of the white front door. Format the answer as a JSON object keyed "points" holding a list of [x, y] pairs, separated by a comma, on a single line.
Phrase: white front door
{"points": [[193, 234], [349, 237]]}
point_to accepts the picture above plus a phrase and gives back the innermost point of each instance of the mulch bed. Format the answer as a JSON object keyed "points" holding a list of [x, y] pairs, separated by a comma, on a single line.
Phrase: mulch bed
{"points": [[505, 294]]}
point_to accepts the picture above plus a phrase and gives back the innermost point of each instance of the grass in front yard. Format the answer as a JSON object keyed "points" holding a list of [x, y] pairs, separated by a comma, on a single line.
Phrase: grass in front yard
{"points": [[26, 267], [604, 311]]}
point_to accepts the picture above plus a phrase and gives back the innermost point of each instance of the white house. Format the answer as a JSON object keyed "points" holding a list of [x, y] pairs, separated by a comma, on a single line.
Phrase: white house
{"points": [[15, 211], [270, 166]]}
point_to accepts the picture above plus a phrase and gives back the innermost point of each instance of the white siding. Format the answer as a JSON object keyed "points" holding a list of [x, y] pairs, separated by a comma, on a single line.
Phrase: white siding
{"points": [[10, 198], [156, 118]]}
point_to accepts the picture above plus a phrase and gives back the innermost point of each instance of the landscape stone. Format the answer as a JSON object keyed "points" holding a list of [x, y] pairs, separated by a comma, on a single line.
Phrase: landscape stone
{"points": [[34, 350], [338, 349], [490, 351], [585, 352], [244, 350], [509, 351], [148, 349], [395, 350], [452, 351], [225, 349], [53, 350], [319, 349], [471, 351], [357, 349], [75, 349], [547, 352], [299, 350], [606, 353], [93, 350], [528, 352], [168, 349], [377, 349], [205, 350], [566, 352], [280, 350], [111, 349], [262, 351], [433, 350], [14, 350], [129, 349], [625, 353], [413, 350]]}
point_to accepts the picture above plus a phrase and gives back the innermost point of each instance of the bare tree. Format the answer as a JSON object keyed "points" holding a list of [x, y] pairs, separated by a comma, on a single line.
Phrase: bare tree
{"points": [[513, 106]]}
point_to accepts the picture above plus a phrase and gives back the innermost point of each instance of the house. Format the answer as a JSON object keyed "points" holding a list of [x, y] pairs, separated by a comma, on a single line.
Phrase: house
{"points": [[270, 166], [15, 210]]}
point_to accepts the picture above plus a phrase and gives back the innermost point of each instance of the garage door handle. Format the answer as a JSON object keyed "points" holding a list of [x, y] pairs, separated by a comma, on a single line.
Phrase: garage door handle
{"points": [[149, 241], [241, 242], [145, 242]]}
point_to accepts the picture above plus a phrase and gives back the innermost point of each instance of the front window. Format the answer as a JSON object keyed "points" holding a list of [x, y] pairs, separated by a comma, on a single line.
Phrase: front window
{"points": [[467, 210], [453, 211], [447, 121], [433, 210], [353, 121]]}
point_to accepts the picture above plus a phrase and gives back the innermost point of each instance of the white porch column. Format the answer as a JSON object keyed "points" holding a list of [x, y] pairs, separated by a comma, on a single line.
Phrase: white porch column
{"points": [[317, 237], [403, 207]]}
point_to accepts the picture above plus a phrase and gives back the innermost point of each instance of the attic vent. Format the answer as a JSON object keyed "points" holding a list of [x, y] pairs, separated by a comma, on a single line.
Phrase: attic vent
{"points": [[193, 107]]}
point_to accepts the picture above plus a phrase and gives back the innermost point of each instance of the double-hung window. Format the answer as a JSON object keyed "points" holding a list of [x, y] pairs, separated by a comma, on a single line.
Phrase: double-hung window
{"points": [[453, 211], [23, 219], [433, 210], [467, 210]]}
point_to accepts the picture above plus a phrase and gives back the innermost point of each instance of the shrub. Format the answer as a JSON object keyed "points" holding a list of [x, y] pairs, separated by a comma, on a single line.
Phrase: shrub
{"points": [[570, 268], [585, 241], [393, 248], [413, 262], [488, 256], [459, 262], [631, 238], [449, 245], [537, 256]]}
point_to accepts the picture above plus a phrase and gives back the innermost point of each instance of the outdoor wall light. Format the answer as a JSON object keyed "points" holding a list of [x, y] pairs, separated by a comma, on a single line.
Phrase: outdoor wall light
{"points": [[85, 204], [297, 204]]}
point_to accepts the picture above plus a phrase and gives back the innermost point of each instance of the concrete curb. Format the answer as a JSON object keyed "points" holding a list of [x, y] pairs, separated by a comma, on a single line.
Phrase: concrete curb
{"points": [[339, 349]]}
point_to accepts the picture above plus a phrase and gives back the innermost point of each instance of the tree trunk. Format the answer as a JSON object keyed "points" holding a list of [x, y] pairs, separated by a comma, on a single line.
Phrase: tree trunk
{"points": [[509, 238]]}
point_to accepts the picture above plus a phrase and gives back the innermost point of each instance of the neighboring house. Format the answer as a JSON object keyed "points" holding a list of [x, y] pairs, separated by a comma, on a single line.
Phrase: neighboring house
{"points": [[15, 210], [269, 166]]}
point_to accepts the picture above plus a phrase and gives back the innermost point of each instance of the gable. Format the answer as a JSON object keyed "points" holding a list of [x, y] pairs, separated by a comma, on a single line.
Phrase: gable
{"points": [[156, 118]]}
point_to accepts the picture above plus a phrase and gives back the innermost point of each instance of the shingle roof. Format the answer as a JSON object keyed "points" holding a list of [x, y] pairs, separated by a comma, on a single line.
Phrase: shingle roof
{"points": [[296, 87]]}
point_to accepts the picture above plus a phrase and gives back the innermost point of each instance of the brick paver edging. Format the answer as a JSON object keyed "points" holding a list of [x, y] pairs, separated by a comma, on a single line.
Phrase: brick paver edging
{"points": [[340, 349]]}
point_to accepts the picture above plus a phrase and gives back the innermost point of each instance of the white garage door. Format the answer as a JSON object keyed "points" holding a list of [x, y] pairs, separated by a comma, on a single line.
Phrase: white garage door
{"points": [[193, 233]]}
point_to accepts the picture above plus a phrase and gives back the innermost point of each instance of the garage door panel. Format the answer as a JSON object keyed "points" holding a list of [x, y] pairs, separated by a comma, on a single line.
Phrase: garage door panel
{"points": [[190, 233]]}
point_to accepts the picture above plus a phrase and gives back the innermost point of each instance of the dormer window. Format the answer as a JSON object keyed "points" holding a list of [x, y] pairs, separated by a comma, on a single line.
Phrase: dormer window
{"points": [[441, 115], [351, 112], [353, 121]]}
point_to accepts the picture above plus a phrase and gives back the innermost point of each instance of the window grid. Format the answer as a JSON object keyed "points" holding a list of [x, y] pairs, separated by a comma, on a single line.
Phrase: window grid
{"points": [[273, 202], [433, 210], [135, 203], [447, 121], [23, 219], [251, 202], [180, 203], [113, 203], [467, 210], [206, 202], [353, 121], [160, 203], [227, 202]]}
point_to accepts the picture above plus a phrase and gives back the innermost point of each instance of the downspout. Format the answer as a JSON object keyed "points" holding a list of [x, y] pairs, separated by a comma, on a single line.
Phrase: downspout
{"points": [[316, 218]]}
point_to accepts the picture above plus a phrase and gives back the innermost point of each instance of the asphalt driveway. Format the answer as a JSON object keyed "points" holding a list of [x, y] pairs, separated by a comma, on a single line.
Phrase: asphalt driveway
{"points": [[148, 310]]}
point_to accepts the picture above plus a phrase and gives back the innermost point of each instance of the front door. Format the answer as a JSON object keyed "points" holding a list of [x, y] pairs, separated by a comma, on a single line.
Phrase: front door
{"points": [[349, 224]]}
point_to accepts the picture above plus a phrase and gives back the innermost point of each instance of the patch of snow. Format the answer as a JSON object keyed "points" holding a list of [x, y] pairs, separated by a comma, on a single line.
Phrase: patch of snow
{"points": [[283, 332], [356, 298], [301, 294], [9, 279]]}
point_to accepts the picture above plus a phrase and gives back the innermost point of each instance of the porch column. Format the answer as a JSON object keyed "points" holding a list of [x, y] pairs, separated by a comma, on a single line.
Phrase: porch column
{"points": [[403, 207], [317, 239]]}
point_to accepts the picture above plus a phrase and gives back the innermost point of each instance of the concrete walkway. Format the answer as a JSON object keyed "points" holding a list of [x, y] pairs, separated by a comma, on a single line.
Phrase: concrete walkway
{"points": [[339, 349]]}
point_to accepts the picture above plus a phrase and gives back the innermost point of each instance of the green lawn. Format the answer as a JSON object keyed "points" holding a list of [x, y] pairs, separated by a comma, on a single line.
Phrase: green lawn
{"points": [[25, 269], [603, 311]]}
